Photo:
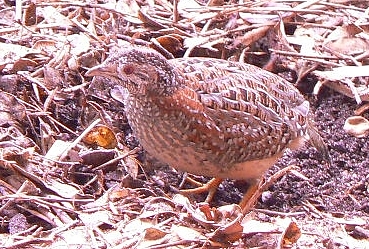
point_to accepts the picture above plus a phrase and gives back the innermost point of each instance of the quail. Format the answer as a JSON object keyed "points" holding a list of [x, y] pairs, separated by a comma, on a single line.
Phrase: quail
{"points": [[207, 116]]}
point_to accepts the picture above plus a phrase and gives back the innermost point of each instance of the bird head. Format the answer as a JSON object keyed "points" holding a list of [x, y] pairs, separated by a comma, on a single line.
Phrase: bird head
{"points": [[141, 70]]}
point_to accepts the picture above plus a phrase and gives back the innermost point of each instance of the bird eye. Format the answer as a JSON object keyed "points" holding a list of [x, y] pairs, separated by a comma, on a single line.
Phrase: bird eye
{"points": [[128, 69]]}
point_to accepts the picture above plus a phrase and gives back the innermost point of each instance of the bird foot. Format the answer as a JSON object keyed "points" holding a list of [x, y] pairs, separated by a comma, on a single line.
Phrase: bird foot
{"points": [[210, 187]]}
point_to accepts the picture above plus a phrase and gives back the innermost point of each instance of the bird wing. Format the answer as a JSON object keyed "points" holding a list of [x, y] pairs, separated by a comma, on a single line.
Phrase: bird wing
{"points": [[249, 111]]}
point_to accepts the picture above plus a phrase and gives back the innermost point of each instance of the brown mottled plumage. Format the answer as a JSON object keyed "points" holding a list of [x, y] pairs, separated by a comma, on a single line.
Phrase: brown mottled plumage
{"points": [[209, 116]]}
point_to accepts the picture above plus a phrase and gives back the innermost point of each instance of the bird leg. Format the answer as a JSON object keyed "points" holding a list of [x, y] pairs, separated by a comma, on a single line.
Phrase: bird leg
{"points": [[252, 194], [210, 187], [257, 187]]}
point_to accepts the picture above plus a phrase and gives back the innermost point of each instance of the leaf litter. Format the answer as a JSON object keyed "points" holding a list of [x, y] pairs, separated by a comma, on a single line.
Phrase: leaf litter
{"points": [[73, 175]]}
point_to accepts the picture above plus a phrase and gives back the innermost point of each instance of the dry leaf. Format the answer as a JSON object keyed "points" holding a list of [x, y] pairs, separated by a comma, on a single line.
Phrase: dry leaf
{"points": [[186, 233], [95, 158], [118, 193], [52, 78], [362, 109], [357, 126], [127, 6], [56, 150], [252, 226], [173, 43], [231, 228], [148, 20], [131, 165], [101, 135], [137, 227], [11, 53], [47, 46], [196, 214], [24, 64], [188, 4], [60, 188], [340, 73], [11, 111], [80, 43], [291, 234], [258, 18], [71, 238], [215, 2], [53, 16], [153, 233], [349, 45], [30, 17], [203, 42], [96, 218]]}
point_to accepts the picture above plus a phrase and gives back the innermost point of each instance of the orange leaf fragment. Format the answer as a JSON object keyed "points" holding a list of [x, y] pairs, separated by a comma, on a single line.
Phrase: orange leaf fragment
{"points": [[102, 136]]}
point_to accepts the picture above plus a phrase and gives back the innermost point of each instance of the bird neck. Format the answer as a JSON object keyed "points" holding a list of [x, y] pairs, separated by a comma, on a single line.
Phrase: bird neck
{"points": [[168, 84]]}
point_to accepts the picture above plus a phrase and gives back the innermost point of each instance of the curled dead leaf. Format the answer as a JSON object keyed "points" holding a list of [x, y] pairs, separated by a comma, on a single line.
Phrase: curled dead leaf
{"points": [[102, 136], [357, 126], [172, 42], [291, 234], [24, 64]]}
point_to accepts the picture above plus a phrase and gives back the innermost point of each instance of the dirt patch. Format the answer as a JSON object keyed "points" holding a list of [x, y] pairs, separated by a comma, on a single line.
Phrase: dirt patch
{"points": [[340, 187]]}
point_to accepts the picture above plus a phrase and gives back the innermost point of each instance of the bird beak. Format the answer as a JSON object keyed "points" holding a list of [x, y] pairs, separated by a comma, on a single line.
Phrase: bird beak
{"points": [[104, 70]]}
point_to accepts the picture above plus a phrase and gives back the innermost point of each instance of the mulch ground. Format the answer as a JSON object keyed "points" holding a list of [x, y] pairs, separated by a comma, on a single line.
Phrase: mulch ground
{"points": [[73, 175]]}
